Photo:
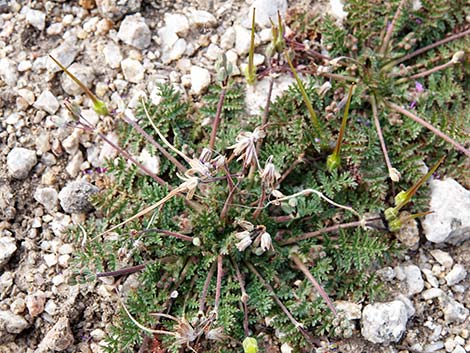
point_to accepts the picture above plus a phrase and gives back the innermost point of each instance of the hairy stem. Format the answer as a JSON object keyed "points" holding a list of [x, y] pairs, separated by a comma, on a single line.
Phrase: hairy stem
{"points": [[205, 289], [168, 232], [286, 311], [428, 126], [159, 147], [390, 28], [313, 281], [123, 271], [244, 297], [330, 229], [218, 288], [428, 72], [373, 102], [429, 47], [218, 117]]}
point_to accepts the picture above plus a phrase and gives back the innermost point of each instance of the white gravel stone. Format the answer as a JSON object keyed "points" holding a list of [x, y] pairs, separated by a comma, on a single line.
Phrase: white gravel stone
{"points": [[18, 306], [176, 52], [50, 259], [430, 278], [51, 307], [255, 97], [337, 10], [35, 18], [7, 249], [453, 310], [35, 303], [64, 53], [8, 72], [24, 65], [213, 52], [200, 79], [459, 349], [457, 274], [384, 322], [243, 39], [47, 102], [201, 18], [227, 40], [59, 338], [177, 23], [27, 95], [133, 70], [450, 220], [47, 197], [167, 36], [386, 273], [112, 55], [442, 257], [54, 29], [135, 32], [74, 197], [432, 293], [74, 165], [152, 163], [83, 73], [414, 280], [116, 9], [351, 310], [12, 323], [20, 161], [266, 9]]}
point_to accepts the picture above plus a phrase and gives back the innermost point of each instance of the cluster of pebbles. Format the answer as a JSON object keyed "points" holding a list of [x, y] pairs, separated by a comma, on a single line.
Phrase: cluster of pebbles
{"points": [[123, 50]]}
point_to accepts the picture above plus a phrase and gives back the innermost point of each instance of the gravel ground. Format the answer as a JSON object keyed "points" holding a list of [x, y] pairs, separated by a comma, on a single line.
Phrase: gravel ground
{"points": [[123, 49]]}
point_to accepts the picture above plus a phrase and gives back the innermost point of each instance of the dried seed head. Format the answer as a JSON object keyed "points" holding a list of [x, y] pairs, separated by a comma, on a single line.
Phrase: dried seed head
{"points": [[244, 243], [269, 174], [266, 242]]}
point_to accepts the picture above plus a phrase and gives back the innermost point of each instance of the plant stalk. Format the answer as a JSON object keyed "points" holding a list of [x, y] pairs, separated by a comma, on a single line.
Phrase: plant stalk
{"points": [[428, 126]]}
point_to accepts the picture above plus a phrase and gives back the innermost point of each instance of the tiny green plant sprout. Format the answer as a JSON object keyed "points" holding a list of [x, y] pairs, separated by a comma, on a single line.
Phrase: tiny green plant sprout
{"points": [[250, 71], [334, 160], [255, 224]]}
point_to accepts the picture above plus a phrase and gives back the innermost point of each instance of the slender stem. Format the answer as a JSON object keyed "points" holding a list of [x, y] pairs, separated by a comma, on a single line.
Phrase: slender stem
{"points": [[150, 139], [330, 229], [313, 116], [168, 232], [218, 117], [343, 122], [244, 297], [390, 28], [218, 288], [286, 311], [205, 289], [133, 160], [123, 271], [314, 282], [428, 126], [428, 72], [429, 47], [339, 77], [373, 102]]}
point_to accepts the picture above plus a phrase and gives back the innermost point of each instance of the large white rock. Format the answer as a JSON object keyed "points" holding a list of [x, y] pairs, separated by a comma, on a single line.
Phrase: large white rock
{"points": [[133, 70], [112, 55], [384, 322], [450, 218], [47, 102], [7, 249], [414, 280], [135, 32], [265, 9], [20, 161], [200, 79], [11, 322], [8, 72]]}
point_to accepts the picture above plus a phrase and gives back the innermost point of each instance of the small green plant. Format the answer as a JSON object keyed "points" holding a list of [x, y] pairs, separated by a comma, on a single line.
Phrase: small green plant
{"points": [[246, 228]]}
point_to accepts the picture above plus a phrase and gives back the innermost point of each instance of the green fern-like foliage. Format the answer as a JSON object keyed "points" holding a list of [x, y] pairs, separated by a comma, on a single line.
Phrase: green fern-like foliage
{"points": [[235, 258]]}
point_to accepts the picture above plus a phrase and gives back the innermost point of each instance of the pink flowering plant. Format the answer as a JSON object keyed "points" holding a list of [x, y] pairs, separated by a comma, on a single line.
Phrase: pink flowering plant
{"points": [[257, 224]]}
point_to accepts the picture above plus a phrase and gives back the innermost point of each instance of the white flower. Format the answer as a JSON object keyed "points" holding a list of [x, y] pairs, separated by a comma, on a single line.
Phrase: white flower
{"points": [[266, 243], [245, 146], [394, 174], [269, 174], [244, 243]]}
